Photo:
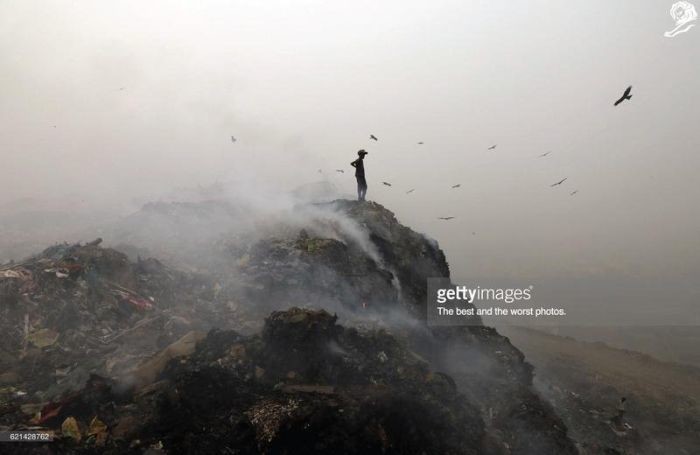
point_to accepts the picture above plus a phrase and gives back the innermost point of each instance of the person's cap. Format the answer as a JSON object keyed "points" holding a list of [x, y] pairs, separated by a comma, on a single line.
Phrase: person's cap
{"points": [[362, 152]]}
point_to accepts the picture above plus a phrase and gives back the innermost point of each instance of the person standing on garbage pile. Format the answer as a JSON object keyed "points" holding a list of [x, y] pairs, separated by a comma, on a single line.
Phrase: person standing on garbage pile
{"points": [[617, 420], [359, 166]]}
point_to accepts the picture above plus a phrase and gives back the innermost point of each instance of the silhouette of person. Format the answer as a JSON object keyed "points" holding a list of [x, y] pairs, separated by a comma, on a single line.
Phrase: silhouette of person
{"points": [[618, 419], [359, 166]]}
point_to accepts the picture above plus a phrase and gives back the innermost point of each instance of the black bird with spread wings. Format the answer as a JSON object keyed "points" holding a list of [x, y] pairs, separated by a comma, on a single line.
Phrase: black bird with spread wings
{"points": [[387, 183], [457, 185], [545, 154], [410, 191], [340, 170], [420, 143], [625, 96], [559, 182], [573, 192], [493, 146], [373, 137], [445, 218]]}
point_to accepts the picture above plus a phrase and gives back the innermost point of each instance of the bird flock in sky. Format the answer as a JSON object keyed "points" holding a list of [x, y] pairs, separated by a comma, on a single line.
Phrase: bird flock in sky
{"points": [[626, 96]]}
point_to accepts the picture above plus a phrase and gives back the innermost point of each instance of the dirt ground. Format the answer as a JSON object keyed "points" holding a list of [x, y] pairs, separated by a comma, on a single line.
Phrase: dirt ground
{"points": [[585, 380]]}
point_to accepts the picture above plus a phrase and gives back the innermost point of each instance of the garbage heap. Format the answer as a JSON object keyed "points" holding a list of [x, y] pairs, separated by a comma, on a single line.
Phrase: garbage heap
{"points": [[305, 384], [374, 272], [132, 331], [79, 309]]}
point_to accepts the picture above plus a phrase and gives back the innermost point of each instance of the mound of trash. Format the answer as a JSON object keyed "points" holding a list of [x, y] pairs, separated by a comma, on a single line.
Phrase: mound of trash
{"points": [[374, 271], [111, 353], [75, 310], [303, 385], [354, 257]]}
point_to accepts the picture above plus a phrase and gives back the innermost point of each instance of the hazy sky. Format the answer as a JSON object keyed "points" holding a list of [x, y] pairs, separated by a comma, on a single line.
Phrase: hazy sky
{"points": [[107, 101]]}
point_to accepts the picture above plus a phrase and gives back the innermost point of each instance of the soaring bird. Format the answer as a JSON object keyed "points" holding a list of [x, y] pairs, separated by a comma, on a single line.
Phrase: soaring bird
{"points": [[420, 143], [559, 182], [373, 137], [573, 192], [340, 170], [410, 191], [457, 185], [233, 139], [387, 183], [493, 146], [446, 218], [625, 96], [545, 154]]}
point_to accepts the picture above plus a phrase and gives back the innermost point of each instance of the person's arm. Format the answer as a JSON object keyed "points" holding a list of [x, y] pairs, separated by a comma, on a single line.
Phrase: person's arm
{"points": [[354, 163]]}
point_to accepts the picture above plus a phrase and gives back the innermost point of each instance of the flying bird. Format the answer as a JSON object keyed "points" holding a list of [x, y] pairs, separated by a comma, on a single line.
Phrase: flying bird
{"points": [[420, 143], [573, 192], [493, 146], [410, 191], [372, 136], [545, 154], [340, 170], [457, 185], [233, 139], [446, 218], [625, 96], [559, 182], [387, 183]]}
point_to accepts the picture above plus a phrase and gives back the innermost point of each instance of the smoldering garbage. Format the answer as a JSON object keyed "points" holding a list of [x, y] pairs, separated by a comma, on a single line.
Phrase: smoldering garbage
{"points": [[294, 393], [308, 350], [76, 309]]}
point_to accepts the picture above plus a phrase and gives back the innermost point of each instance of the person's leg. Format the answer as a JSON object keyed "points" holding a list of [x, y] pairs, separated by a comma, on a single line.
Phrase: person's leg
{"points": [[617, 420], [359, 189]]}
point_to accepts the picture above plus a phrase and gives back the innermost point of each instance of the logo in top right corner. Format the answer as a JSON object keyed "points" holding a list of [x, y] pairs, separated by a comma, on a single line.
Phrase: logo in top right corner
{"points": [[684, 14]]}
